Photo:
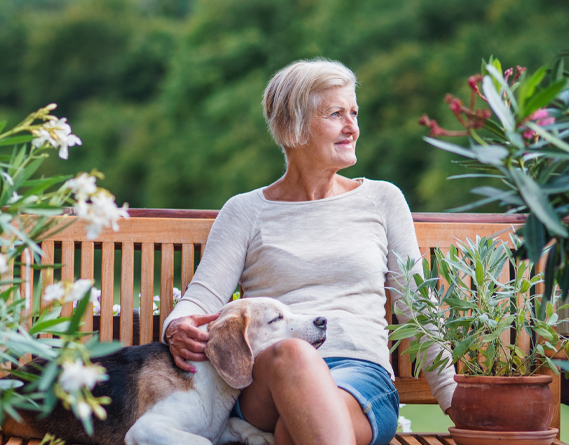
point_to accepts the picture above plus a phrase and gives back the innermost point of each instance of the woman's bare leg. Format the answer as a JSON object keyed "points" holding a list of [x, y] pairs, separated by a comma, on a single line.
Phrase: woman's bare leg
{"points": [[294, 395]]}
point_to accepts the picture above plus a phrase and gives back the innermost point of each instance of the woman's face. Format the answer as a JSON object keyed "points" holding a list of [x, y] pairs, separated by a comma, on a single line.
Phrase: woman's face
{"points": [[334, 129]]}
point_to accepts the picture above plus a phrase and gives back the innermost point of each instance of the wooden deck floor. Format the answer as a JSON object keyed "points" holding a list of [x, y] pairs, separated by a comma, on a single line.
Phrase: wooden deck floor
{"points": [[432, 439], [399, 439]]}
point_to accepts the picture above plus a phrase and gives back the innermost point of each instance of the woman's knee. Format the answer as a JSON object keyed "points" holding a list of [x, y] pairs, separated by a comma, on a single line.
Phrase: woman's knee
{"points": [[289, 353]]}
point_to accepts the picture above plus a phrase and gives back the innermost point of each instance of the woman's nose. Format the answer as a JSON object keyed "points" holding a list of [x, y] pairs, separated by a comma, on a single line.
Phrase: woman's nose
{"points": [[351, 125]]}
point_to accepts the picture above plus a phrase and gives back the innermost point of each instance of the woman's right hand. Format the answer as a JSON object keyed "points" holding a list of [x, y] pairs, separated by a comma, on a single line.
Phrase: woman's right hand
{"points": [[187, 341]]}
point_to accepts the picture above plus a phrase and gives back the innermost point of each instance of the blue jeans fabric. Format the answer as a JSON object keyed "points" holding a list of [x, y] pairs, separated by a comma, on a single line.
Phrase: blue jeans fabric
{"points": [[371, 385]]}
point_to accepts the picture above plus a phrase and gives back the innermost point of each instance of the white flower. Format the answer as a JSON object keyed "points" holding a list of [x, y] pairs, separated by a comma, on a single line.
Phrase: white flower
{"points": [[102, 212], [83, 186], [78, 290], [3, 263], [76, 376], [116, 309], [7, 177], [54, 292], [58, 135], [84, 410], [96, 307], [404, 424], [43, 136], [95, 294], [15, 198]]}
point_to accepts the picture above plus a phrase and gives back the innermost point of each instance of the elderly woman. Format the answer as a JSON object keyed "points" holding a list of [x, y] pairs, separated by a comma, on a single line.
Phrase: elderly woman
{"points": [[321, 243]]}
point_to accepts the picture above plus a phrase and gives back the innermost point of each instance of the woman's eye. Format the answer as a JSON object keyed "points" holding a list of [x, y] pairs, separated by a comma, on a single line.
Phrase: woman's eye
{"points": [[279, 317], [355, 113]]}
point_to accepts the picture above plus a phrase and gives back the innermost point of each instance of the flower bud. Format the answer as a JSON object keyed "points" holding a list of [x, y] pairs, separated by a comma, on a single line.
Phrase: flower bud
{"points": [[473, 81]]}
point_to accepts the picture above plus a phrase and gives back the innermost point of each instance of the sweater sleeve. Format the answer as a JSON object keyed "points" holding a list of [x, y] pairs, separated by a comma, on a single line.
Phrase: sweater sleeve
{"points": [[221, 266], [402, 240]]}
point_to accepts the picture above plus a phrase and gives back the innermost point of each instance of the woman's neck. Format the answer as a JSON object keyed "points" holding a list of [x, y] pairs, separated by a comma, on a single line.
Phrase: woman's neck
{"points": [[297, 185]]}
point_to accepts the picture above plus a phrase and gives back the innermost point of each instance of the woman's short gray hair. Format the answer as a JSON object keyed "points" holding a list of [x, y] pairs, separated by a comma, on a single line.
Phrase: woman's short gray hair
{"points": [[292, 96]]}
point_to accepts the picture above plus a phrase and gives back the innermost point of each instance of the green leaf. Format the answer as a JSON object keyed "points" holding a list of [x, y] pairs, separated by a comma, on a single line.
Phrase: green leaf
{"points": [[551, 365], [2, 125], [534, 238], [78, 314], [490, 154], [497, 104], [538, 202], [479, 273], [549, 277], [48, 376], [543, 98], [527, 88], [44, 326], [548, 136], [453, 148], [404, 331], [98, 349], [557, 70], [463, 346], [15, 140], [544, 333]]}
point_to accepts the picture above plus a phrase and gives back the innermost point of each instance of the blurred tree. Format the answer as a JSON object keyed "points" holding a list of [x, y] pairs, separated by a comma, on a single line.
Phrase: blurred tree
{"points": [[166, 94]]}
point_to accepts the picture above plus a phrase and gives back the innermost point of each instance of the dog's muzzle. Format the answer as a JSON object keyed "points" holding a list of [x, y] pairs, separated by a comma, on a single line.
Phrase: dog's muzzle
{"points": [[320, 323]]}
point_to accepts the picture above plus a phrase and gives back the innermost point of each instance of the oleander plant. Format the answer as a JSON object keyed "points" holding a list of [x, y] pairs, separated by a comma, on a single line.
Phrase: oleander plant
{"points": [[516, 128], [30, 322]]}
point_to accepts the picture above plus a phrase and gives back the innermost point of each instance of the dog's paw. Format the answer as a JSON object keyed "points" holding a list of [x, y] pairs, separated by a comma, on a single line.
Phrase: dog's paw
{"points": [[260, 438]]}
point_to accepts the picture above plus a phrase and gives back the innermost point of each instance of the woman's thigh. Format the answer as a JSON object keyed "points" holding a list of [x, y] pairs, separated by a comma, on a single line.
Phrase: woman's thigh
{"points": [[371, 386], [366, 389]]}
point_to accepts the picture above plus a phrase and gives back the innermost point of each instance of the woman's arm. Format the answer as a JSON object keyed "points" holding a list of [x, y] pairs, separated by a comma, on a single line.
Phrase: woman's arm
{"points": [[403, 241], [215, 281]]}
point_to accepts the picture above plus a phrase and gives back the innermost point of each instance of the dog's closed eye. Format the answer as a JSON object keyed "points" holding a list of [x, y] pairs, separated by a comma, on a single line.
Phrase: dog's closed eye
{"points": [[277, 318]]}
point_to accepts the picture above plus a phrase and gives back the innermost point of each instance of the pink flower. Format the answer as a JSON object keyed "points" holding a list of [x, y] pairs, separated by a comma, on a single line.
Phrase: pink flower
{"points": [[541, 118]]}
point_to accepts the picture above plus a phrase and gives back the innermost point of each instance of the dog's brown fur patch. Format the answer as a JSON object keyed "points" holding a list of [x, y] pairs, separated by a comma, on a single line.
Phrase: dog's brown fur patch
{"points": [[13, 428], [156, 381]]}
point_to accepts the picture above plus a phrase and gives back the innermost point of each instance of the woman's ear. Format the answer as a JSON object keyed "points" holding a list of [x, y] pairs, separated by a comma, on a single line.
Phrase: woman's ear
{"points": [[229, 352]]}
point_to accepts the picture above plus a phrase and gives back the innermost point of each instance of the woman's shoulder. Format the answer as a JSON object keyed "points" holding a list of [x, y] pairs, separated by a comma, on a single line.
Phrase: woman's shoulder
{"points": [[382, 189], [242, 201]]}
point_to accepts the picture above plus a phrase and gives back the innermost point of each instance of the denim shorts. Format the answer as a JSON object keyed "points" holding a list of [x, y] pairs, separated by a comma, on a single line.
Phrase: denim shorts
{"points": [[371, 385]]}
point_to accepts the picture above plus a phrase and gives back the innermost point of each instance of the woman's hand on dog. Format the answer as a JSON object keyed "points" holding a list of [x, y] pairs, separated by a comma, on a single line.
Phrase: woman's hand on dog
{"points": [[187, 341]]}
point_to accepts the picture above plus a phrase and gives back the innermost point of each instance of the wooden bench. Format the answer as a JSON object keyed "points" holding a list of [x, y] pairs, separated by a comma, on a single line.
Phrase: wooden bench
{"points": [[157, 250]]}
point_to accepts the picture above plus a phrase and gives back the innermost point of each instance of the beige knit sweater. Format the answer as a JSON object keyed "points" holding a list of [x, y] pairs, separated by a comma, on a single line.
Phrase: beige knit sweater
{"points": [[331, 257]]}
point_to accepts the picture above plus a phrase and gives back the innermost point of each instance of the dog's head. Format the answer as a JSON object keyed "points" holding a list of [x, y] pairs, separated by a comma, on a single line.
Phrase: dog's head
{"points": [[246, 327]]}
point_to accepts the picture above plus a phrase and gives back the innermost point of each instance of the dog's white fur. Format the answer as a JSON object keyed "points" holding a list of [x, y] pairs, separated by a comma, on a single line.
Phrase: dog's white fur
{"points": [[244, 329]]}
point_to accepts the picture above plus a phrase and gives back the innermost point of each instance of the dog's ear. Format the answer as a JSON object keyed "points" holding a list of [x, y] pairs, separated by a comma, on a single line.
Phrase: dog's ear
{"points": [[229, 352]]}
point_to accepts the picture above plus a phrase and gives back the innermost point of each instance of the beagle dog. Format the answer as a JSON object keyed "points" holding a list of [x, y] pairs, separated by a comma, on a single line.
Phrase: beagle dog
{"points": [[154, 402]]}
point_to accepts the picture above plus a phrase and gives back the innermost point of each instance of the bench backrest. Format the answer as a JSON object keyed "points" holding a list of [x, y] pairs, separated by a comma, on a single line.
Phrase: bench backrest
{"points": [[156, 249]]}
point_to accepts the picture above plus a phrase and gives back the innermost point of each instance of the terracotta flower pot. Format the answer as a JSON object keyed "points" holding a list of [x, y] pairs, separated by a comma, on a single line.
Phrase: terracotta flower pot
{"points": [[503, 403]]}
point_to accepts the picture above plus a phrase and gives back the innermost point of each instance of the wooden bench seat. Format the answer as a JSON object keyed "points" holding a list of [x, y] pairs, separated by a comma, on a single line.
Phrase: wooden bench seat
{"points": [[157, 250]]}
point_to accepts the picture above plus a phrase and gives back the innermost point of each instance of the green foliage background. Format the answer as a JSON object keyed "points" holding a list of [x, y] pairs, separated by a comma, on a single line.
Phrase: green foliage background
{"points": [[166, 93]]}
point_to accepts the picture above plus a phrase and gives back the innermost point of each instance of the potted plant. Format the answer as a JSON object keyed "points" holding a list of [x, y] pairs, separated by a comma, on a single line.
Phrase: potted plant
{"points": [[489, 327]]}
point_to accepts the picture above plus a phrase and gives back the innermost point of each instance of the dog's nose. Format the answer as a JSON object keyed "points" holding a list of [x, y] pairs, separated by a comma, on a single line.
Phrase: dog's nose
{"points": [[320, 322]]}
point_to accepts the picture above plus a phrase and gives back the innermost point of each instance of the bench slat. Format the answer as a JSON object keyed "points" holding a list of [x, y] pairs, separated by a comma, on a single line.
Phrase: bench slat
{"points": [[127, 293], [88, 273], [166, 281], [68, 271], [143, 230], [107, 290], [407, 439], [412, 390], [146, 292], [187, 265]]}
